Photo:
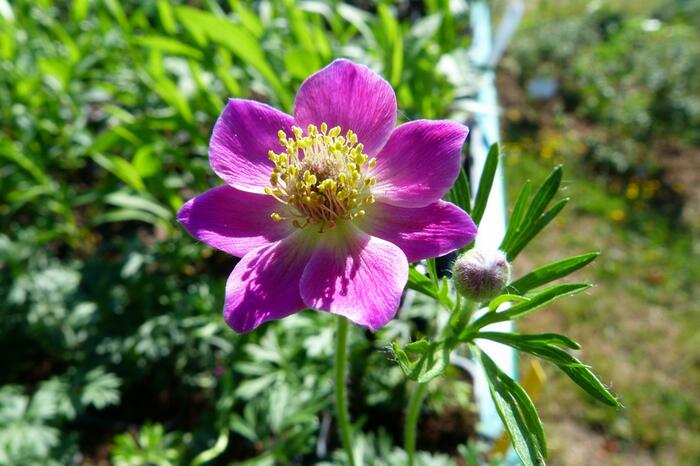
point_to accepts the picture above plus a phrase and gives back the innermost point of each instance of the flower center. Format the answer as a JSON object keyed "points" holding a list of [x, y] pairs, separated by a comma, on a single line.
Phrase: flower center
{"points": [[323, 177]]}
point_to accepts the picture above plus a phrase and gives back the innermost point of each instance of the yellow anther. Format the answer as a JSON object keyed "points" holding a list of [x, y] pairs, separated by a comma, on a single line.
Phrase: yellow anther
{"points": [[309, 179], [320, 177]]}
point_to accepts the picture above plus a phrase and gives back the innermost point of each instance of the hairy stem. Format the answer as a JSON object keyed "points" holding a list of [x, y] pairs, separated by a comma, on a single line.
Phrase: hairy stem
{"points": [[341, 396]]}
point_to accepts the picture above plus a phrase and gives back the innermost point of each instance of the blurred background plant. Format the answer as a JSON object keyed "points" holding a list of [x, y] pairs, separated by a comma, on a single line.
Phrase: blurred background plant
{"points": [[610, 89], [112, 344]]}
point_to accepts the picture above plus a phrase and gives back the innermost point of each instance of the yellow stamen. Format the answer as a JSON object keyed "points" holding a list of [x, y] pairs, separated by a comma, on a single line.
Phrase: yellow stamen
{"points": [[322, 176]]}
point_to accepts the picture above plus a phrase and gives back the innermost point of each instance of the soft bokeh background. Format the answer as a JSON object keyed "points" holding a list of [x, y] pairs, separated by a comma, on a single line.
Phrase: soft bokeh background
{"points": [[625, 121], [112, 345]]}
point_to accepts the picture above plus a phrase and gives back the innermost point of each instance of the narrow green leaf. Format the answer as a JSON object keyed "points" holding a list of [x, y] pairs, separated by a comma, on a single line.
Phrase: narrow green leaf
{"points": [[213, 452], [485, 183], [79, 10], [248, 18], [545, 194], [122, 169], [419, 282], [300, 29], [9, 150], [131, 201], [535, 302], [504, 298], [589, 382], [460, 193], [168, 45], [543, 346], [431, 265], [517, 413], [166, 16], [534, 229], [170, 93], [118, 12], [518, 216], [551, 272], [544, 338], [223, 71], [126, 215], [360, 20], [235, 38]]}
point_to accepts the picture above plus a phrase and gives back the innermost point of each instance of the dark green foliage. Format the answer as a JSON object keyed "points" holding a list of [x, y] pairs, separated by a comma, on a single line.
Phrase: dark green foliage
{"points": [[112, 325]]}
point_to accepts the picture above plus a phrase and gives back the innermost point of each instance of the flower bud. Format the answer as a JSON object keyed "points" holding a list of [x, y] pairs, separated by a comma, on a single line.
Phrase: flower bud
{"points": [[481, 274]]}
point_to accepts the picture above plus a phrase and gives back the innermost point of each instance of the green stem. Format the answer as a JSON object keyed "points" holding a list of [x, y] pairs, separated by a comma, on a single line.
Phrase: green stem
{"points": [[462, 313], [341, 396], [411, 425]]}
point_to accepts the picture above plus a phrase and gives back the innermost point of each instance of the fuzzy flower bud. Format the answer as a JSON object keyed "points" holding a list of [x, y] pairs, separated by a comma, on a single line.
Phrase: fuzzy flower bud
{"points": [[481, 274]]}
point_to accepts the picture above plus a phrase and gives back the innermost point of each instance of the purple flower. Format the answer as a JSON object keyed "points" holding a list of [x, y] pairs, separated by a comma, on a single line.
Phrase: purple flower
{"points": [[327, 207]]}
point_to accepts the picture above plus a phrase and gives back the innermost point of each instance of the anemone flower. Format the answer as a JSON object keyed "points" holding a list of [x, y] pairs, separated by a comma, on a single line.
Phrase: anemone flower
{"points": [[326, 208]]}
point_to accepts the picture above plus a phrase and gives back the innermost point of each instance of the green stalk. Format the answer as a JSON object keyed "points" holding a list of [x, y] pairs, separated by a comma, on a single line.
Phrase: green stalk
{"points": [[462, 313], [341, 396], [411, 425]]}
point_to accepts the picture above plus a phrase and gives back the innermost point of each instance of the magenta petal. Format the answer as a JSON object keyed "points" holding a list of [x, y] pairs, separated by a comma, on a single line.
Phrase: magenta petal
{"points": [[264, 285], [361, 279], [419, 163], [233, 221], [351, 96], [422, 232], [242, 137]]}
